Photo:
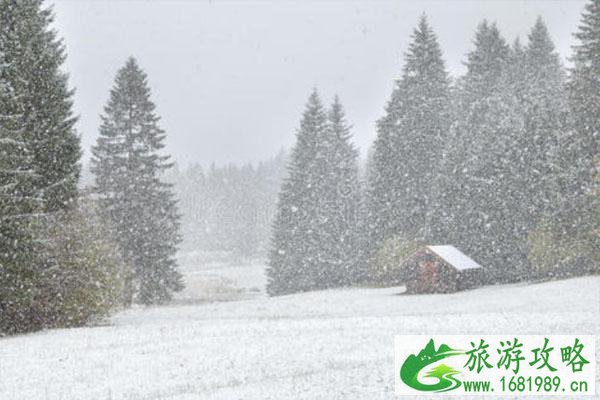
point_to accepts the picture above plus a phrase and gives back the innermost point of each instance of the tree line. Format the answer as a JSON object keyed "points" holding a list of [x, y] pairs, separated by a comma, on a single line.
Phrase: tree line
{"points": [[501, 162], [227, 211], [69, 256]]}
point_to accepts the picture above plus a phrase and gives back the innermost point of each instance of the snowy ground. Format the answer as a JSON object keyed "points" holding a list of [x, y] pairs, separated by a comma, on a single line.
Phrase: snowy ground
{"points": [[208, 278], [323, 345]]}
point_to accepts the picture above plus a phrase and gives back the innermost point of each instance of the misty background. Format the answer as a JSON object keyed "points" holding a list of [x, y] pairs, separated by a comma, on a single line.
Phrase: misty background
{"points": [[230, 78], [273, 261]]}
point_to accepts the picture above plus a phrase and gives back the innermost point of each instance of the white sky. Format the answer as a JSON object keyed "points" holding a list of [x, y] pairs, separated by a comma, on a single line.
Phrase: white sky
{"points": [[230, 78]]}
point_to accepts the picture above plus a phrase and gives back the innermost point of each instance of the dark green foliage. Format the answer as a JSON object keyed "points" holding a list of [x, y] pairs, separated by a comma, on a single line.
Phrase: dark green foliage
{"points": [[580, 148], [584, 83], [567, 242], [481, 193], [566, 247], [292, 262], [128, 165], [20, 204], [409, 145], [314, 232], [546, 115], [42, 100], [338, 213], [56, 269]]}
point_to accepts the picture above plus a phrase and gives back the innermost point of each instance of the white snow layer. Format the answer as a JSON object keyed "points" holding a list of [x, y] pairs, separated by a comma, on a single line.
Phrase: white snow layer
{"points": [[331, 345], [454, 257]]}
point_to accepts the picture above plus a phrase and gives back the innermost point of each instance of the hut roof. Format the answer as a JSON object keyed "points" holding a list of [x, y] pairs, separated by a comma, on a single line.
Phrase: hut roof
{"points": [[454, 257]]}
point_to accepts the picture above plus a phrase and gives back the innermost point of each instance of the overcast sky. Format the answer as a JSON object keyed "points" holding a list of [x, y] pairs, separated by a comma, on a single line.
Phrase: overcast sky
{"points": [[230, 78]]}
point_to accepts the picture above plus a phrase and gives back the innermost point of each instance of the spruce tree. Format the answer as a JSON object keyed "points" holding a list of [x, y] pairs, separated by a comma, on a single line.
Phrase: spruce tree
{"points": [[33, 57], [580, 148], [575, 217], [128, 165], [293, 262], [518, 69], [338, 211], [479, 187], [20, 203], [401, 191], [545, 107]]}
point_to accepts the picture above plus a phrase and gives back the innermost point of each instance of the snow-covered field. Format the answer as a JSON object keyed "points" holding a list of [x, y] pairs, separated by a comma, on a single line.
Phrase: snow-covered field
{"points": [[207, 279], [323, 345]]}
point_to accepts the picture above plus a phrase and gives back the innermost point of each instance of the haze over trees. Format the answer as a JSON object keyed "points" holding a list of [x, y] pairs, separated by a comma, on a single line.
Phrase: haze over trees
{"points": [[227, 211], [569, 235], [501, 162]]}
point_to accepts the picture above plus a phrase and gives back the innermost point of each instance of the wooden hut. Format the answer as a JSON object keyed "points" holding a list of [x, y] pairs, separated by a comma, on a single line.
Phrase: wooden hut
{"points": [[441, 269]]}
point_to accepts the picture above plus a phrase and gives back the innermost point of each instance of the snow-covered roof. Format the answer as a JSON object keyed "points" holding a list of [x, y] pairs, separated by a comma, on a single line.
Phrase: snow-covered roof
{"points": [[454, 257]]}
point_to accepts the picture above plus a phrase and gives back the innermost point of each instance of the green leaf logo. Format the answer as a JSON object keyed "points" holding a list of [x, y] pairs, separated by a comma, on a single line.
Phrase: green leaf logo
{"points": [[409, 372]]}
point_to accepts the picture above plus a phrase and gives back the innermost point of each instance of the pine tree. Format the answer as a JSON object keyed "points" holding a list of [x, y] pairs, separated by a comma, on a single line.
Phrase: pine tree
{"points": [[128, 167], [338, 209], [293, 262], [42, 100], [401, 191]]}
